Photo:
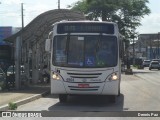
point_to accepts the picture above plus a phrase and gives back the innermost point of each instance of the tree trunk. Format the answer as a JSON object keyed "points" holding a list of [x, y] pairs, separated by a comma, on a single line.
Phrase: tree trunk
{"points": [[104, 16]]}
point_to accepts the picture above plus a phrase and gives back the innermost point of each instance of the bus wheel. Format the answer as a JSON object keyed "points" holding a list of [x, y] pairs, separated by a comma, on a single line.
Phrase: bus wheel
{"points": [[119, 92], [62, 98], [112, 99]]}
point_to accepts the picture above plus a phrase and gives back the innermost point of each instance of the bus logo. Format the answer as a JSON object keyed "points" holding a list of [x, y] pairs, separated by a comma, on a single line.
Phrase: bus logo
{"points": [[84, 80], [70, 79]]}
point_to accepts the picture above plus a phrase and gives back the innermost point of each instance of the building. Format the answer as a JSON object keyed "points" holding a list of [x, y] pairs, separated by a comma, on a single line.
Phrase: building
{"points": [[147, 46], [7, 31], [151, 43]]}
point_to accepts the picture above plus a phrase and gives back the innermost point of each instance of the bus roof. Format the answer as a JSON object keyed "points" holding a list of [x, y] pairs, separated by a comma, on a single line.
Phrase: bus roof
{"points": [[84, 21]]}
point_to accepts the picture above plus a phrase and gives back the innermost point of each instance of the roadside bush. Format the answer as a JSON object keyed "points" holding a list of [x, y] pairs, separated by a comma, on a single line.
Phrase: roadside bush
{"points": [[136, 66], [12, 106], [2, 86]]}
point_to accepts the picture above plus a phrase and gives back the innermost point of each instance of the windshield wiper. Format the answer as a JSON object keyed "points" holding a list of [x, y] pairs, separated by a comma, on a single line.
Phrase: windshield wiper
{"points": [[67, 46]]}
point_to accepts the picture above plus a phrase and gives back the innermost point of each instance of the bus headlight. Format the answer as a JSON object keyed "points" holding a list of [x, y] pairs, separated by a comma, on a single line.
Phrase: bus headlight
{"points": [[113, 76], [56, 76]]}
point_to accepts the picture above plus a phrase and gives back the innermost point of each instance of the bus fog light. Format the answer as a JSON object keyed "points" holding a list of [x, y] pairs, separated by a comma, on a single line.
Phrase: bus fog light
{"points": [[58, 78]]}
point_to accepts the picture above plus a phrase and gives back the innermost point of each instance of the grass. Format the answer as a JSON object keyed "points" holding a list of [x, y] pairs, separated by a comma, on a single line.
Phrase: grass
{"points": [[12, 106]]}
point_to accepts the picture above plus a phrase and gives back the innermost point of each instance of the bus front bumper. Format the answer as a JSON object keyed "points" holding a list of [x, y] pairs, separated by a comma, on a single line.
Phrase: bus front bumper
{"points": [[104, 88]]}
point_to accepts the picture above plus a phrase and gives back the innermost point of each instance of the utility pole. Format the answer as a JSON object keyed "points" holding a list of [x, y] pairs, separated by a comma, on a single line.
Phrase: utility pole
{"points": [[22, 15], [58, 4], [158, 46], [21, 40]]}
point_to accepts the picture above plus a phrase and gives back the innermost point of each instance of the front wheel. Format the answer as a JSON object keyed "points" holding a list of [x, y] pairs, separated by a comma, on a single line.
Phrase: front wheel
{"points": [[62, 98], [119, 91]]}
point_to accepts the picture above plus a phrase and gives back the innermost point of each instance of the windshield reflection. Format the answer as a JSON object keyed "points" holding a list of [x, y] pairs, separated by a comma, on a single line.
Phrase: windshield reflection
{"points": [[85, 51]]}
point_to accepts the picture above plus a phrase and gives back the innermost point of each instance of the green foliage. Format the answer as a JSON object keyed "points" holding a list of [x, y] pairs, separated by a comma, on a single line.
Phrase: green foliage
{"points": [[136, 66], [131, 12], [103, 8], [12, 106], [2, 85], [126, 13], [80, 6]]}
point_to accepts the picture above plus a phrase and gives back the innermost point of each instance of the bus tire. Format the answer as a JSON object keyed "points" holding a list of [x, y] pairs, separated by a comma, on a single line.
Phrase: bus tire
{"points": [[113, 99], [62, 98], [119, 92]]}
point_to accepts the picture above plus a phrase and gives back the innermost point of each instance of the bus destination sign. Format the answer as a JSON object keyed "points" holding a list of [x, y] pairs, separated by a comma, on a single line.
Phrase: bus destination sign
{"points": [[85, 28]]}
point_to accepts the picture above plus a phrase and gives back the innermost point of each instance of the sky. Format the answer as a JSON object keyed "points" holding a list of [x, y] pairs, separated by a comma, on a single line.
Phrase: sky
{"points": [[10, 12]]}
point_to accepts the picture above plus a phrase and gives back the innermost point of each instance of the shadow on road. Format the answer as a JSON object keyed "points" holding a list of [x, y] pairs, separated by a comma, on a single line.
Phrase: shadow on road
{"points": [[89, 104]]}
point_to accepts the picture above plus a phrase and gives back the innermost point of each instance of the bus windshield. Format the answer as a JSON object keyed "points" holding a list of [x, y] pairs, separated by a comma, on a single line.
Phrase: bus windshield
{"points": [[85, 51]]}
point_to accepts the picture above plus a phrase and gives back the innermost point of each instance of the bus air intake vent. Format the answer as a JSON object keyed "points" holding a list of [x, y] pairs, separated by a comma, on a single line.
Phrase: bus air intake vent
{"points": [[94, 88]]}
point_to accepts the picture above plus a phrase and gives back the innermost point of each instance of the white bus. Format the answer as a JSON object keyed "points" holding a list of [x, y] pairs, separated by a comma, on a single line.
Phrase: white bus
{"points": [[85, 59]]}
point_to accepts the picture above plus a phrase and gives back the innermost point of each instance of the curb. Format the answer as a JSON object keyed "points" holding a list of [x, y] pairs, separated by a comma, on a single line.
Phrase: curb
{"points": [[26, 100]]}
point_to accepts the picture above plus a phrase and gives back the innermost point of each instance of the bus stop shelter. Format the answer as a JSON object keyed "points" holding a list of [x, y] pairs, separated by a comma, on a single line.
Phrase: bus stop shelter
{"points": [[29, 43]]}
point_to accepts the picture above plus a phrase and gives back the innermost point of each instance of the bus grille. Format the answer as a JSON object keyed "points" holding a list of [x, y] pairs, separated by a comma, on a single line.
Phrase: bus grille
{"points": [[84, 75]]}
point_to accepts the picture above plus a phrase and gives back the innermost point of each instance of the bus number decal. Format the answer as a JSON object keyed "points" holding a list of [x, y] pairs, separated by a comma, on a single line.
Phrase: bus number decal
{"points": [[70, 79]]}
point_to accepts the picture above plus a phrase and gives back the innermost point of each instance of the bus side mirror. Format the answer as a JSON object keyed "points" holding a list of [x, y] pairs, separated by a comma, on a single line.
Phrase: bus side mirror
{"points": [[48, 45]]}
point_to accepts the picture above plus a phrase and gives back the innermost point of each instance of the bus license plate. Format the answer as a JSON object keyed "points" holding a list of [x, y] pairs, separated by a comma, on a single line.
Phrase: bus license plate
{"points": [[83, 85]]}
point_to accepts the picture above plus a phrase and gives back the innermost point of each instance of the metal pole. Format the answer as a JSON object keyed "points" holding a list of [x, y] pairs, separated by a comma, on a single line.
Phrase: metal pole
{"points": [[150, 42], [158, 45], [133, 53], [17, 63], [22, 15], [58, 4], [20, 47]]}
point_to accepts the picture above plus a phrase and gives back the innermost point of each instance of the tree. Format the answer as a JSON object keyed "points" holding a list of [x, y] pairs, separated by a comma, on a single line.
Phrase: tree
{"points": [[80, 6], [103, 8], [129, 16]]}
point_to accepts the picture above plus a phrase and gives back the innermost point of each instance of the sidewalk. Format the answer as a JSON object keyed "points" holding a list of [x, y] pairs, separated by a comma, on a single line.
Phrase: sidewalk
{"points": [[23, 96]]}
